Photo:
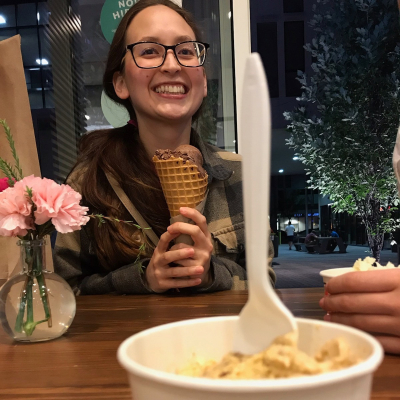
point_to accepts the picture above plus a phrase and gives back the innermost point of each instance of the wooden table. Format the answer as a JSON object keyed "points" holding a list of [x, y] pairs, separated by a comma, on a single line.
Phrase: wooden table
{"points": [[82, 364]]}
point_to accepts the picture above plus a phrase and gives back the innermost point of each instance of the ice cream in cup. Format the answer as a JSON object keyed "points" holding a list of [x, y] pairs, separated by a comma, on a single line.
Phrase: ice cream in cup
{"points": [[368, 264], [153, 357]]}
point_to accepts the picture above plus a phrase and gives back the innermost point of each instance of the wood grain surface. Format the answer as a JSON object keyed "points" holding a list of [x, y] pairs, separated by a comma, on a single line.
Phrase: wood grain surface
{"points": [[82, 364]]}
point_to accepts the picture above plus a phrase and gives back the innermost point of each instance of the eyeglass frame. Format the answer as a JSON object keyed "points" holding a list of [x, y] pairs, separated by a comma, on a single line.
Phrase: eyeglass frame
{"points": [[173, 48]]}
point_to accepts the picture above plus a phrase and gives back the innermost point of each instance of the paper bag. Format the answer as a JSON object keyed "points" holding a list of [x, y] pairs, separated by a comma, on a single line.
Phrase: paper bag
{"points": [[15, 109]]}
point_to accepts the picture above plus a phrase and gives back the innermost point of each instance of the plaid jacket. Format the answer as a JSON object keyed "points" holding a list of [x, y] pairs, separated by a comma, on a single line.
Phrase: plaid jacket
{"points": [[75, 260]]}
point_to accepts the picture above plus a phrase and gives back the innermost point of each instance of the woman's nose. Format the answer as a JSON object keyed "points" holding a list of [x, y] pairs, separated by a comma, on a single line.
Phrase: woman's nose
{"points": [[171, 64]]}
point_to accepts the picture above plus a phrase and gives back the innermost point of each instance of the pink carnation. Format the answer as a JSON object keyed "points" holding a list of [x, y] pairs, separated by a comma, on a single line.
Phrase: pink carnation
{"points": [[4, 184], [60, 203], [15, 210]]}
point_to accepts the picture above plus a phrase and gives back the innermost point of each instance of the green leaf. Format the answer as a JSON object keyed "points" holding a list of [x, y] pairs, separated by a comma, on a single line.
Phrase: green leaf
{"points": [[19, 175]]}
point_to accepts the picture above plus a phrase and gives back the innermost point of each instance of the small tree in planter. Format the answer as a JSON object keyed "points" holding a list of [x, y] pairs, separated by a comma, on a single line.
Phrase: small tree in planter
{"points": [[344, 128]]}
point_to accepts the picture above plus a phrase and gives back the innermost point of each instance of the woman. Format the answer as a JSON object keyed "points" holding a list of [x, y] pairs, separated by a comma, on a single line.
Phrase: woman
{"points": [[151, 71]]}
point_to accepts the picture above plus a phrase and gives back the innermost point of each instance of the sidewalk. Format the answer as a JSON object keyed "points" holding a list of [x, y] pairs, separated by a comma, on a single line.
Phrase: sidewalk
{"points": [[298, 269]]}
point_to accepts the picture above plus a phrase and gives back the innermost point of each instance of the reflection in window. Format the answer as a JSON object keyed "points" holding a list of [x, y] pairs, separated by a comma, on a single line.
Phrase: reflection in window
{"points": [[33, 78], [47, 78], [29, 46], [42, 14], [7, 33], [7, 16], [35, 99], [217, 124], [26, 14], [49, 98], [44, 46]]}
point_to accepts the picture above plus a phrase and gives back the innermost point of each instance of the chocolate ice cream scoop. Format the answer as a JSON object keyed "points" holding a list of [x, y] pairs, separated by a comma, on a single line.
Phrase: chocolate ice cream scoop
{"points": [[194, 154], [187, 153]]}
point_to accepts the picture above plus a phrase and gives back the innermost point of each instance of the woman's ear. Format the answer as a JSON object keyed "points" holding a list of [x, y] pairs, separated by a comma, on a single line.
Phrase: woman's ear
{"points": [[120, 87]]}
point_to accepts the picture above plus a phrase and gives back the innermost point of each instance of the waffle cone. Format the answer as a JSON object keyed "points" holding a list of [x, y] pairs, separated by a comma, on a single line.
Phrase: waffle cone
{"points": [[181, 183]]}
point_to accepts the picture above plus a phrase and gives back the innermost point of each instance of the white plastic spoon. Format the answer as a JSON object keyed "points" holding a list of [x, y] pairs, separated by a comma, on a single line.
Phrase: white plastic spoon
{"points": [[264, 317]]}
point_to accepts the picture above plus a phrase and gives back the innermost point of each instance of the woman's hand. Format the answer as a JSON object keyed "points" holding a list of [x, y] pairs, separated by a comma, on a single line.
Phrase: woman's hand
{"points": [[202, 247], [161, 276], [368, 300]]}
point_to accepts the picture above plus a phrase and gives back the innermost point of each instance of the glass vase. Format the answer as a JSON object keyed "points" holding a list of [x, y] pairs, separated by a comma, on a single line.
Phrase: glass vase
{"points": [[36, 304]]}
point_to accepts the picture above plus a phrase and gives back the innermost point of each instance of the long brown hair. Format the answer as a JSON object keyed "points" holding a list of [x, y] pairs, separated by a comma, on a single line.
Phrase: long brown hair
{"points": [[120, 152]]}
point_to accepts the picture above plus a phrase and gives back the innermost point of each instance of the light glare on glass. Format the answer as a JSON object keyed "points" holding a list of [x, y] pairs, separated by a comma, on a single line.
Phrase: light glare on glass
{"points": [[42, 61]]}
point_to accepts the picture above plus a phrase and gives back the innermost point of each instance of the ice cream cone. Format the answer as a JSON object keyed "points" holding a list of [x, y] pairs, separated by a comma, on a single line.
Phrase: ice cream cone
{"points": [[182, 184]]}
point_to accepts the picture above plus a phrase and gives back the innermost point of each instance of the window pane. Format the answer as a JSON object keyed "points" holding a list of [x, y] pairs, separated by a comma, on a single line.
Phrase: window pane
{"points": [[7, 33], [292, 6], [28, 78], [35, 98], [73, 84], [33, 78], [43, 14], [49, 98], [29, 46], [44, 46], [7, 16], [26, 14], [47, 78], [217, 124], [294, 56], [267, 47]]}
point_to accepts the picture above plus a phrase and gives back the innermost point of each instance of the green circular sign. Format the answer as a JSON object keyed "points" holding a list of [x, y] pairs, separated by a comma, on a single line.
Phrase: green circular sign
{"points": [[111, 15]]}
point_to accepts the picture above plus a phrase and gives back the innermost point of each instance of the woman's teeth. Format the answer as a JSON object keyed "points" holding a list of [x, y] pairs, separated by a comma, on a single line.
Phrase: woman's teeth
{"points": [[170, 89]]}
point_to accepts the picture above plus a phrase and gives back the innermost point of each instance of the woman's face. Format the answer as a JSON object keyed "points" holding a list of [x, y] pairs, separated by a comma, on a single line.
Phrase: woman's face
{"points": [[163, 25]]}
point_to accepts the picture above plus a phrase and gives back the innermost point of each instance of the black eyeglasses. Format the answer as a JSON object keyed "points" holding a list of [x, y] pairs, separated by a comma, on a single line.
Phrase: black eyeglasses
{"points": [[149, 55]]}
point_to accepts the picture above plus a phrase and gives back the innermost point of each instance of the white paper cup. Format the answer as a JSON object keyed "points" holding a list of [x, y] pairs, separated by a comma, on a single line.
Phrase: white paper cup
{"points": [[328, 274], [151, 357]]}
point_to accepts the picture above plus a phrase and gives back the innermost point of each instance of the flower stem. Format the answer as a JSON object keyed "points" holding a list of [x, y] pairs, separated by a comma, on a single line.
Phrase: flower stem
{"points": [[34, 269], [29, 303], [37, 271], [30, 325], [21, 312], [45, 299]]}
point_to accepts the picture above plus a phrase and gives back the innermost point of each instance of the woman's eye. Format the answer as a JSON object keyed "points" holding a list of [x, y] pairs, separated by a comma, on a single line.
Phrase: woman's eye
{"points": [[187, 52], [150, 51]]}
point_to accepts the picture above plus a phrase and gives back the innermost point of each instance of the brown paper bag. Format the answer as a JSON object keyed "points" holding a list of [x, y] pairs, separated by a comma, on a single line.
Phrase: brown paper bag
{"points": [[15, 109]]}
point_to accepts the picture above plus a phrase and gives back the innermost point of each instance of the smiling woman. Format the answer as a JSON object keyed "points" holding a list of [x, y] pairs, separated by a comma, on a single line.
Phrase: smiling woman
{"points": [[155, 70], [139, 82]]}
